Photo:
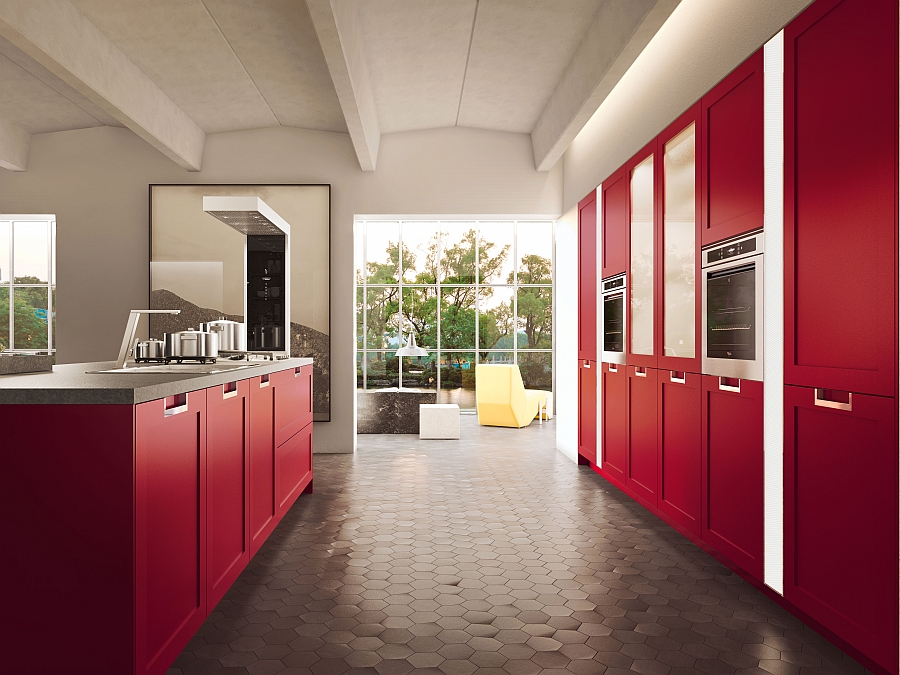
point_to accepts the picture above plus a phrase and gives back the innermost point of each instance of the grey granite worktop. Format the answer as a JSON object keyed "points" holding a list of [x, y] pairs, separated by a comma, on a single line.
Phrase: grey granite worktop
{"points": [[77, 383]]}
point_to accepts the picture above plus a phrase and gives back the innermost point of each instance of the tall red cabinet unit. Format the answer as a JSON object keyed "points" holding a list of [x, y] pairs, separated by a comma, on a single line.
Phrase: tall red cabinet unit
{"points": [[587, 328], [840, 363]]}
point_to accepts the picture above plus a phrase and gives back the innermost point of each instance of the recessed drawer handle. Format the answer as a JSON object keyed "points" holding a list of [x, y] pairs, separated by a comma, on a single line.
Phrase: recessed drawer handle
{"points": [[229, 390], [263, 381], [586, 364], [613, 368], [298, 371], [728, 387], [640, 373], [673, 377], [822, 400], [175, 405]]}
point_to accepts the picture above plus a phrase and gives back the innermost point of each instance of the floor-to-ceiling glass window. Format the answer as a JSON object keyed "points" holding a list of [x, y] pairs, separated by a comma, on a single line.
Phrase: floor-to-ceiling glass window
{"points": [[468, 291]]}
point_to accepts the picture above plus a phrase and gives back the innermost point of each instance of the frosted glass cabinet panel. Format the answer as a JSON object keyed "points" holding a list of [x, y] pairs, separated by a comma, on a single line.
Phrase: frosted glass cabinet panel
{"points": [[678, 233], [642, 258]]}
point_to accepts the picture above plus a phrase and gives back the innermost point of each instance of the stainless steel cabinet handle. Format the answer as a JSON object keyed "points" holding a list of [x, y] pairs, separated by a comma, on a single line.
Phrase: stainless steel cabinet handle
{"points": [[820, 400], [587, 364], [613, 368], [728, 387], [673, 377], [229, 394], [177, 410], [639, 373]]}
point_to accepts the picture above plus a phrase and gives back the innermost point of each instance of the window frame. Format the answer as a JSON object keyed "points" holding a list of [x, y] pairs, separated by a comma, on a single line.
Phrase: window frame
{"points": [[361, 278]]}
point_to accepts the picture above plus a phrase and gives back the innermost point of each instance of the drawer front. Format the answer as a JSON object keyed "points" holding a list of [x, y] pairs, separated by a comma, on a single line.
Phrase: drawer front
{"points": [[293, 469], [293, 401]]}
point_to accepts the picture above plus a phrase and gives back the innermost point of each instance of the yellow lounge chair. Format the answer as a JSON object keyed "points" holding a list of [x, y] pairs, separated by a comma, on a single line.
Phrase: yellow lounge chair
{"points": [[502, 400]]}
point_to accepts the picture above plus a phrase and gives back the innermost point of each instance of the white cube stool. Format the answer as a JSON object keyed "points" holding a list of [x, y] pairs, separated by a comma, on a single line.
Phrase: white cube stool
{"points": [[438, 420]]}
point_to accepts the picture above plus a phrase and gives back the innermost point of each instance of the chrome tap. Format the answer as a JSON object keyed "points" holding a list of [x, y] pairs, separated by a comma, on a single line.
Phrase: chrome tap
{"points": [[131, 331]]}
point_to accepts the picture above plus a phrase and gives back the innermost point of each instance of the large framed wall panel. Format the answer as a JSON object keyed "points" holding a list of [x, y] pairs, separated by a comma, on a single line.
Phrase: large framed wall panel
{"points": [[614, 422], [615, 223], [643, 443], [679, 448]]}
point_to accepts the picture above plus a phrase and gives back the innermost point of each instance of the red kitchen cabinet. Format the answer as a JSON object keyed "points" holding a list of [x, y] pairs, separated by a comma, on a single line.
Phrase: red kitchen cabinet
{"points": [[840, 516], [614, 247], [587, 410], [293, 401], [840, 84], [642, 345], [261, 489], [679, 449], [732, 475], [614, 427], [731, 165], [293, 469], [170, 527], [227, 483], [67, 499], [587, 277], [678, 245], [643, 459]]}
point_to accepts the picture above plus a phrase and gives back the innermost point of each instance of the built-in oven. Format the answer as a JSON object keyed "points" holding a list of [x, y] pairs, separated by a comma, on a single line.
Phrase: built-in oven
{"points": [[733, 308], [612, 292]]}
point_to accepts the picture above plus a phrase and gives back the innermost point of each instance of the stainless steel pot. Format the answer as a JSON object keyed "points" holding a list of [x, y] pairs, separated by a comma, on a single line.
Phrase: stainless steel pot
{"points": [[192, 344], [151, 349], [232, 335]]}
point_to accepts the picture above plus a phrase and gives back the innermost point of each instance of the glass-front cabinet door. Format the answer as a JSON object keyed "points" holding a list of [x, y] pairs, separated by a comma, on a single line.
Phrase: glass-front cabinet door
{"points": [[680, 307], [642, 286]]}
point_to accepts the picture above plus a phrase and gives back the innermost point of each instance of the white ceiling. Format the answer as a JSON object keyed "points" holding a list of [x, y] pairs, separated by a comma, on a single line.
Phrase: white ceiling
{"points": [[232, 65]]}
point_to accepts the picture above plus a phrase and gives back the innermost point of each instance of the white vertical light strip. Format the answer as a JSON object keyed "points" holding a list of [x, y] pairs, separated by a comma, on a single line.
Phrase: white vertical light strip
{"points": [[773, 316], [598, 425]]}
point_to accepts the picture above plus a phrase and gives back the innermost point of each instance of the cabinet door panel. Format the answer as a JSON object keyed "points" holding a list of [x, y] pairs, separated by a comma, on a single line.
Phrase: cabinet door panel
{"points": [[841, 204], [732, 157], [262, 461], [614, 430], [615, 224], [840, 474], [587, 410], [679, 245], [641, 349], [733, 470], [293, 469], [679, 449], [170, 527], [587, 278], [643, 470], [293, 401], [227, 439]]}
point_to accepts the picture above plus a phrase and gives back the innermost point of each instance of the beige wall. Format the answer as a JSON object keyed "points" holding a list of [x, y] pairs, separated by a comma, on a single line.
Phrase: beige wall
{"points": [[96, 182]]}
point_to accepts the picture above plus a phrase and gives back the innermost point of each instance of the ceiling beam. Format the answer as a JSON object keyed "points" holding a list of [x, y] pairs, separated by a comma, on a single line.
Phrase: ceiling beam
{"points": [[340, 36], [619, 32], [15, 142], [60, 38]]}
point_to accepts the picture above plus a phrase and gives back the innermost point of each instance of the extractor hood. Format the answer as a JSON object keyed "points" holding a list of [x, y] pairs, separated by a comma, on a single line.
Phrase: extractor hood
{"points": [[247, 215]]}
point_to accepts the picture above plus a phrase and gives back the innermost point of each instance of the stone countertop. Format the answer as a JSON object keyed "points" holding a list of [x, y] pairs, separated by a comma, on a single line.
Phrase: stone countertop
{"points": [[77, 383]]}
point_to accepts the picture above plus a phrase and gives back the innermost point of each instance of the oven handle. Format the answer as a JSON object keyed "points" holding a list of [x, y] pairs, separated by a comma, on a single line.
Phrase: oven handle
{"points": [[823, 402], [728, 387]]}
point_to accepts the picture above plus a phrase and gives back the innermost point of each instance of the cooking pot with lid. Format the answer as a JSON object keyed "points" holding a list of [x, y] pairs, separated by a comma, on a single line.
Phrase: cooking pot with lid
{"points": [[191, 344], [232, 335]]}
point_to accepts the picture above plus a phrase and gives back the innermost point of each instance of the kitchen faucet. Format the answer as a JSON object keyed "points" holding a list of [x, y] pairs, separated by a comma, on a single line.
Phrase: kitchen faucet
{"points": [[131, 331]]}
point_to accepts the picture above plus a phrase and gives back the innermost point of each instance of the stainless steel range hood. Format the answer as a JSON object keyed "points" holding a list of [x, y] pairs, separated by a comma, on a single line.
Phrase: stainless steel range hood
{"points": [[247, 215]]}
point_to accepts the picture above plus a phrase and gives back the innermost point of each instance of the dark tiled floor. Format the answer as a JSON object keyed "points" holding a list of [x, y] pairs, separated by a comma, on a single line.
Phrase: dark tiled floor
{"points": [[491, 555]]}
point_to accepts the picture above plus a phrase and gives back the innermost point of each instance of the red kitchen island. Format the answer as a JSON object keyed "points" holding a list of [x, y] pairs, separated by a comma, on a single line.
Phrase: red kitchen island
{"points": [[131, 502]]}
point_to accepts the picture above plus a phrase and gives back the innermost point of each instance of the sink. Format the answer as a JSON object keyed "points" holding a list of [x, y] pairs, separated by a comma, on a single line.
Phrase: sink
{"points": [[187, 368]]}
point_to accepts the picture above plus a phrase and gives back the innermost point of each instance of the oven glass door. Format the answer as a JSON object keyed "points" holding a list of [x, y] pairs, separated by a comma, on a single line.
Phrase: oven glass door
{"points": [[731, 313], [614, 322]]}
